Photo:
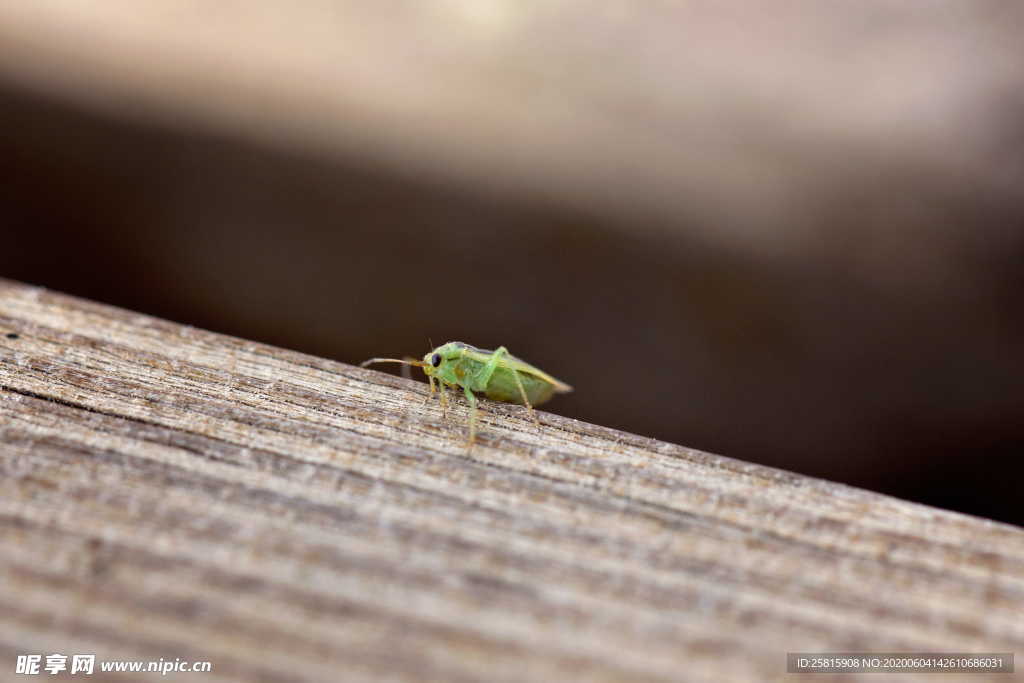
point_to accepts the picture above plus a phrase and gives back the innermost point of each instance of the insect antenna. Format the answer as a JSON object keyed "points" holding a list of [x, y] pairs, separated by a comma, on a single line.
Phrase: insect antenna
{"points": [[406, 373], [417, 363]]}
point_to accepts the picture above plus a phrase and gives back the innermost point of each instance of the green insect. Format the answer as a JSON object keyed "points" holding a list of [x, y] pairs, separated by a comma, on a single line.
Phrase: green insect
{"points": [[499, 375]]}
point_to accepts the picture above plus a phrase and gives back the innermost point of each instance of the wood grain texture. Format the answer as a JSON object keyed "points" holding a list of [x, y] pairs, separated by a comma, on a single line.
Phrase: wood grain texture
{"points": [[169, 492]]}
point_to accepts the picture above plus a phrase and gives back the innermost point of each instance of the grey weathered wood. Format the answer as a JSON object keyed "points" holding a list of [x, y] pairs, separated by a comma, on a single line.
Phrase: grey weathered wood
{"points": [[169, 492]]}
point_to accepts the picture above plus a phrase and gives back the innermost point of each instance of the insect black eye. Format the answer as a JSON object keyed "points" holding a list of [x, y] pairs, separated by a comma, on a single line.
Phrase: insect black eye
{"points": [[435, 360]]}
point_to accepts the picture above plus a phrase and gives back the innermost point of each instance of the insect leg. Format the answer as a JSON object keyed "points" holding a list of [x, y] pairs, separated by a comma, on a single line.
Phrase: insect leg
{"points": [[526, 401], [483, 378], [432, 390], [472, 414], [444, 399]]}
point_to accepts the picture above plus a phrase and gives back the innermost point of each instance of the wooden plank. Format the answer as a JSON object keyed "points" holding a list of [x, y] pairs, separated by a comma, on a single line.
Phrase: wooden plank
{"points": [[170, 492]]}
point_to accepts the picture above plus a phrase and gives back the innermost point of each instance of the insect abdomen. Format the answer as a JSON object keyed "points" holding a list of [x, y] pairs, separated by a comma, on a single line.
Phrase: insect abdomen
{"points": [[502, 387]]}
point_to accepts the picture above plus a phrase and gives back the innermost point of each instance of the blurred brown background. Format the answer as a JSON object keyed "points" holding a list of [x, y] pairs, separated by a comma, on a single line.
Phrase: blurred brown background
{"points": [[791, 235]]}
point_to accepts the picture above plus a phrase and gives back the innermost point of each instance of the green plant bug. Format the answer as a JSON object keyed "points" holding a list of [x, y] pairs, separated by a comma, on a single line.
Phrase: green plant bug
{"points": [[497, 374]]}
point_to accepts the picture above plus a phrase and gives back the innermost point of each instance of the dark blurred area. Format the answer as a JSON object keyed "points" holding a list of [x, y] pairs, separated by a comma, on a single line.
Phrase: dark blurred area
{"points": [[878, 342]]}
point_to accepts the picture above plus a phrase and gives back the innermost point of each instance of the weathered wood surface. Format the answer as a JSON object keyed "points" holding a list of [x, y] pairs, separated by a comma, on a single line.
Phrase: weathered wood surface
{"points": [[169, 492]]}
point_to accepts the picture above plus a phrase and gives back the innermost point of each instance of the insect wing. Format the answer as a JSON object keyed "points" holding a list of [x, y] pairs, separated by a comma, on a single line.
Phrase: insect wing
{"points": [[510, 362], [519, 365], [522, 367]]}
